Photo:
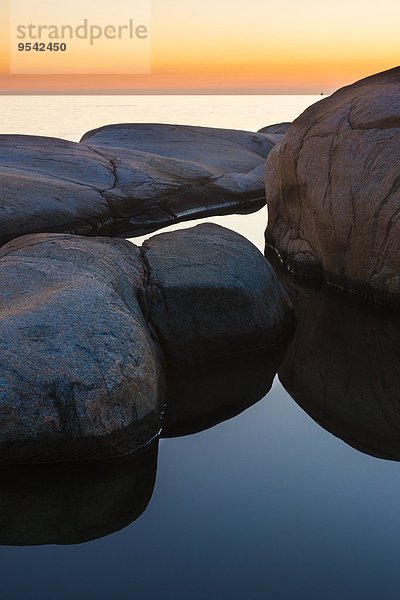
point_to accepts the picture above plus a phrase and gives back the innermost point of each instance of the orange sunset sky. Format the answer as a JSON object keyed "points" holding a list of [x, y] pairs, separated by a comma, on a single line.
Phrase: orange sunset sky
{"points": [[241, 46]]}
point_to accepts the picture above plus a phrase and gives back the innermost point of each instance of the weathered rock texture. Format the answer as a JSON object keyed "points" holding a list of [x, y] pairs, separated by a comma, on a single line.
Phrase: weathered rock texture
{"points": [[80, 375], [128, 179], [210, 293], [170, 173], [82, 322], [72, 504], [333, 190], [342, 368]]}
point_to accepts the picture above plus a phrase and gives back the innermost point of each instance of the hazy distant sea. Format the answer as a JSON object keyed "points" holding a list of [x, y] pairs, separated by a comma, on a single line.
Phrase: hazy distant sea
{"points": [[69, 117]]}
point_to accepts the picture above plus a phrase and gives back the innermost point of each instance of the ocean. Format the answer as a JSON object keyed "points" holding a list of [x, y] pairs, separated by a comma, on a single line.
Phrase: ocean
{"points": [[267, 504]]}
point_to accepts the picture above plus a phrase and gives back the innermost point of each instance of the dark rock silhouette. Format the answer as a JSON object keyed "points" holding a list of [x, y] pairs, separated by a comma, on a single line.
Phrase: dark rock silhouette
{"points": [[74, 503], [343, 368], [333, 190], [125, 180]]}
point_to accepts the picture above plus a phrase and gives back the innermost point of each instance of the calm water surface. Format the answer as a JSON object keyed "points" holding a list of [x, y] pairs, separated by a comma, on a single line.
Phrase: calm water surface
{"points": [[264, 505]]}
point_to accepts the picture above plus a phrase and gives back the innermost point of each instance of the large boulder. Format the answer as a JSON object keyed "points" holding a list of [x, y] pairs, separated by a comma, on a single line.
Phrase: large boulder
{"points": [[333, 190], [126, 180], [80, 375], [342, 368], [170, 173], [210, 292], [88, 325], [51, 185]]}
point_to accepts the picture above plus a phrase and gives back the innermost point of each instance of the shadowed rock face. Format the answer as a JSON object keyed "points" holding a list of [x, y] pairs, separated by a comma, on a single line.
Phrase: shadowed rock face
{"points": [[210, 292], [71, 504], [333, 190], [342, 368], [279, 129], [204, 394], [124, 180], [83, 321]]}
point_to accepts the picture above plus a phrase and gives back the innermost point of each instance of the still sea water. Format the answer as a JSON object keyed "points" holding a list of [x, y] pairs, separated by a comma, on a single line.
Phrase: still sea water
{"points": [[267, 504]]}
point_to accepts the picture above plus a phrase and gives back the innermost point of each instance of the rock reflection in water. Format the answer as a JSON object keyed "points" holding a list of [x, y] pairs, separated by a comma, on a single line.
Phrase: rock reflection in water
{"points": [[204, 394], [74, 503], [343, 368]]}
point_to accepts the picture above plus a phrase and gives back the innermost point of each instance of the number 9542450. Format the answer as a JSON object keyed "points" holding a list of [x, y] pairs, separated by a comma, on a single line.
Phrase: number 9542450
{"points": [[42, 47]]}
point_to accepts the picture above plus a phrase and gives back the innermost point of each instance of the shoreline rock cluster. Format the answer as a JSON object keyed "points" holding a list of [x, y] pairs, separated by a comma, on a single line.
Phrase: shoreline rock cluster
{"points": [[127, 180], [106, 346], [88, 326]]}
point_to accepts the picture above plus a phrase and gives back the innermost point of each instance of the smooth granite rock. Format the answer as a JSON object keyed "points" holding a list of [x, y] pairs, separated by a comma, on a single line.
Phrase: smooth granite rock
{"points": [[278, 128], [126, 180], [87, 327], [342, 368], [50, 185], [210, 292], [80, 375], [333, 190], [171, 173], [74, 503]]}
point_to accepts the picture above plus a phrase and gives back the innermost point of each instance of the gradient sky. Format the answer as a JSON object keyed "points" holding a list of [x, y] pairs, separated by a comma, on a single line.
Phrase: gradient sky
{"points": [[244, 46]]}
